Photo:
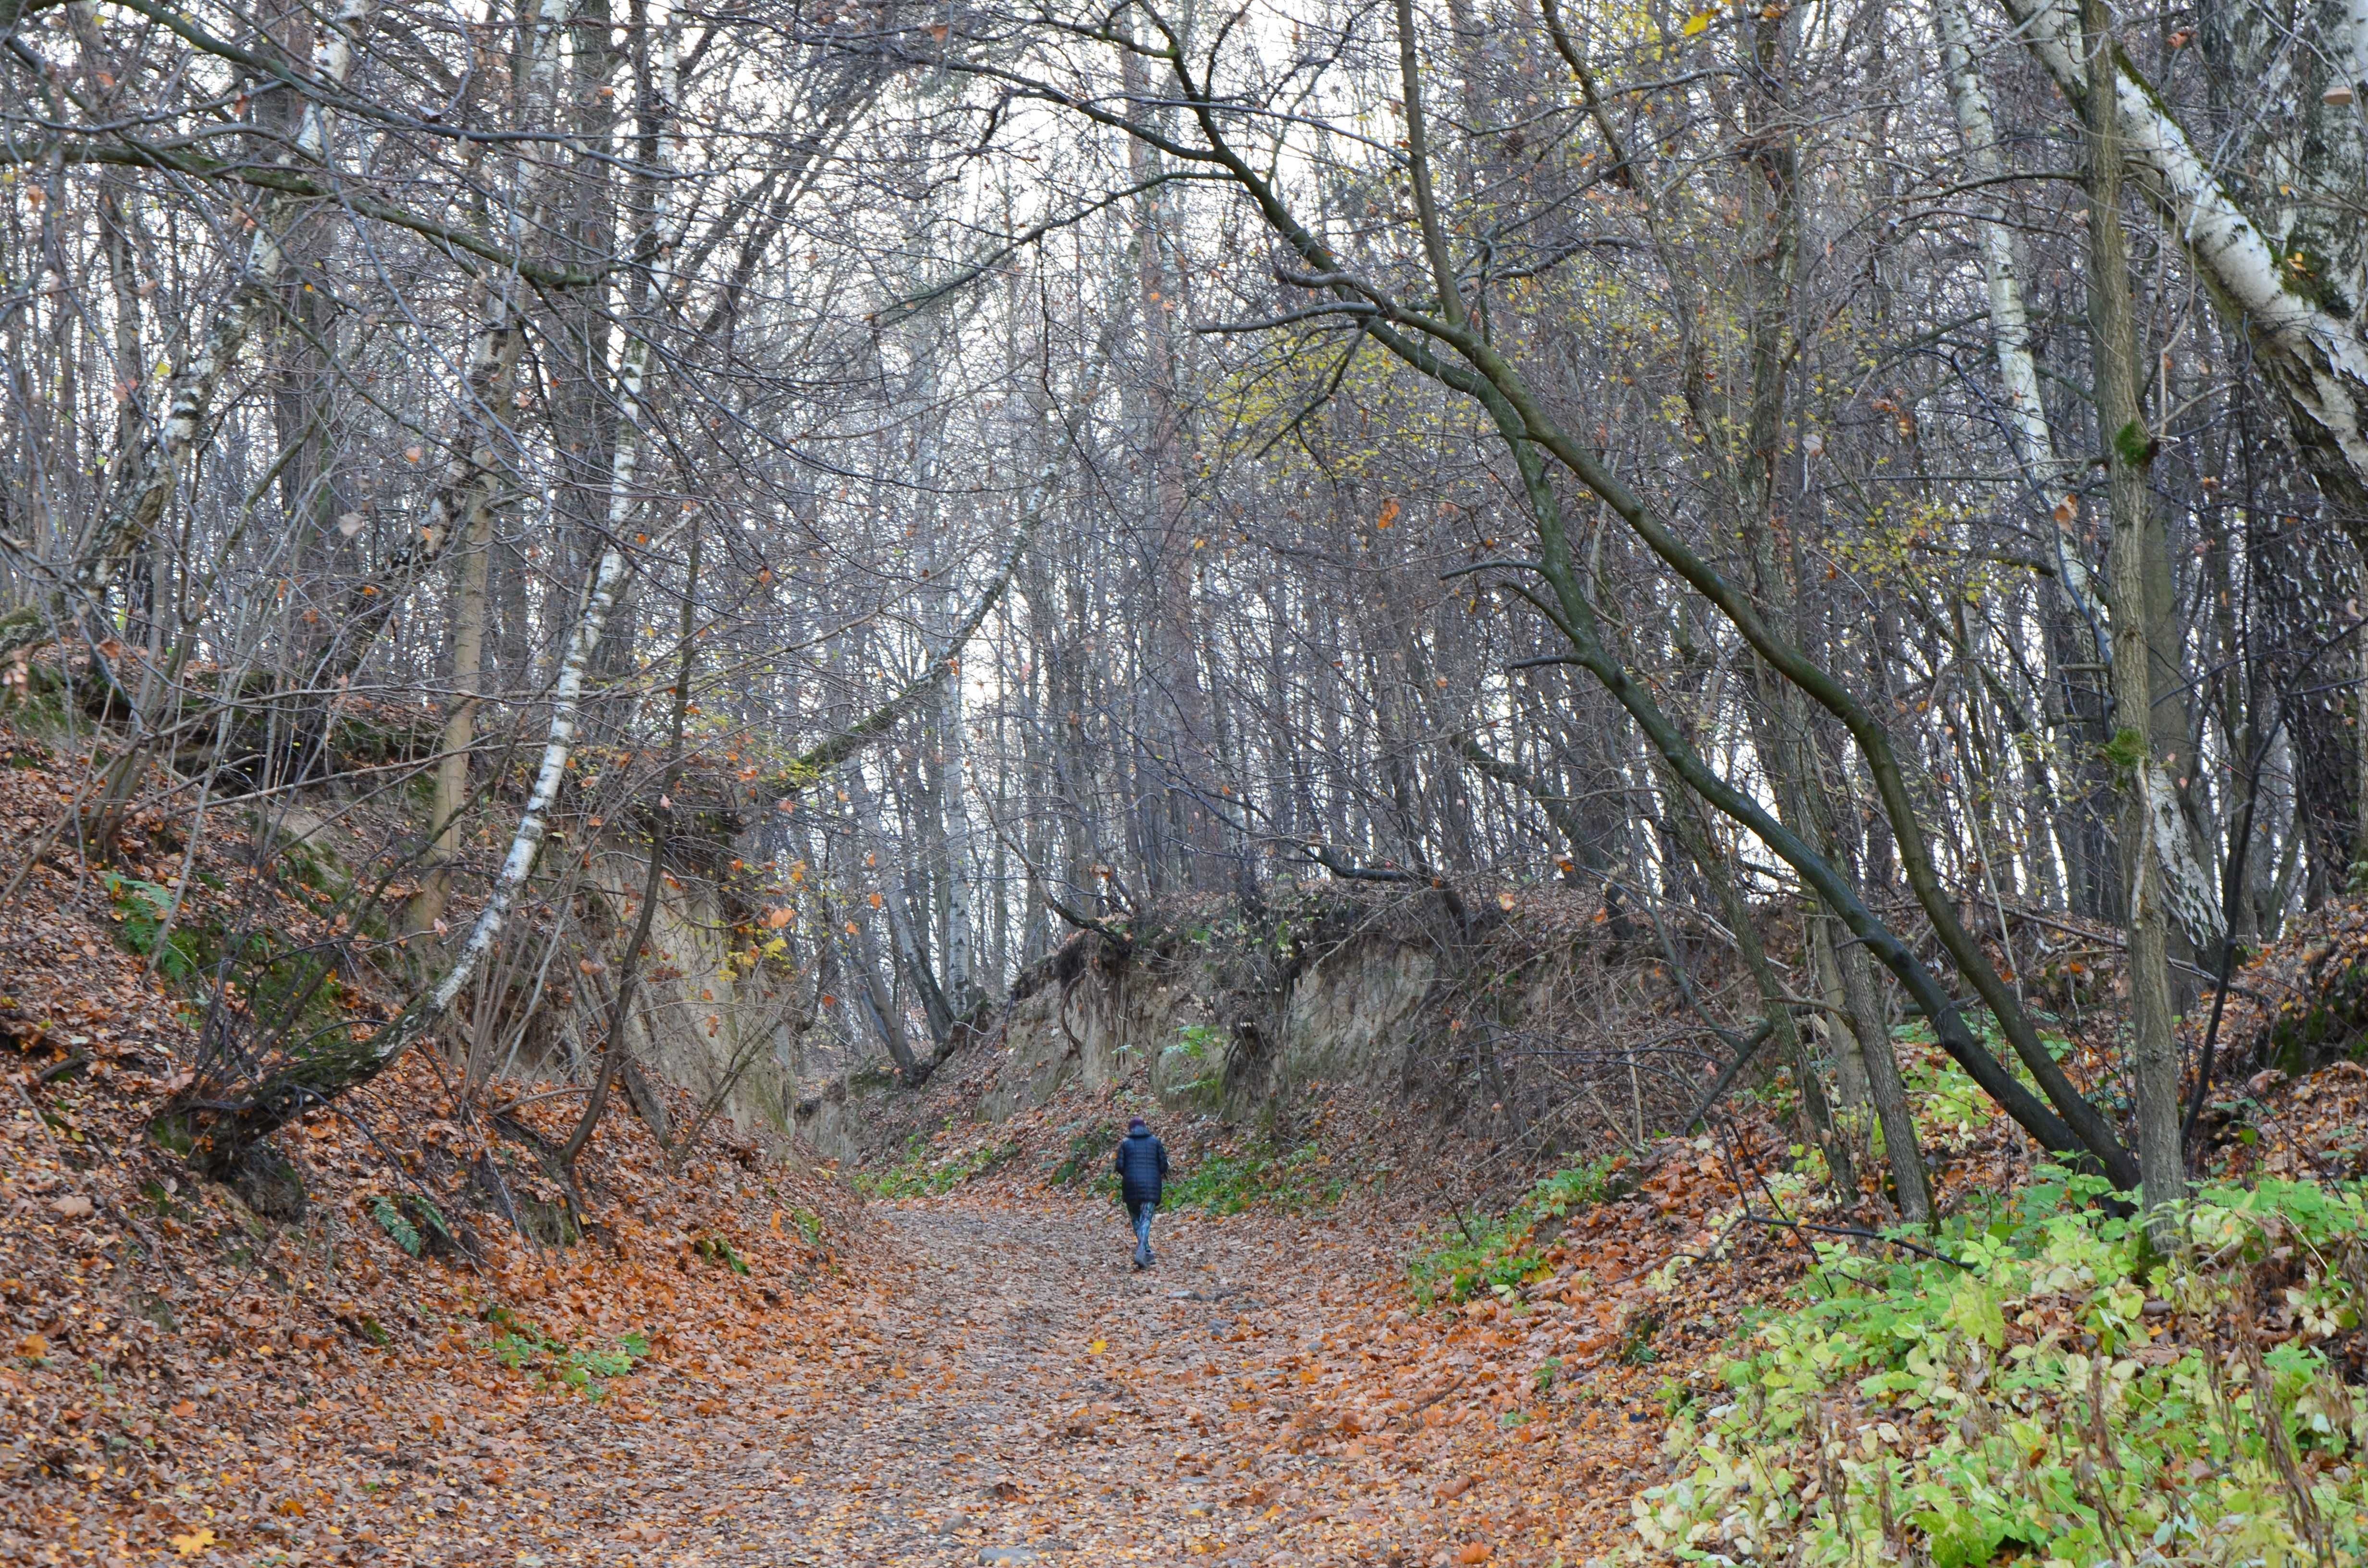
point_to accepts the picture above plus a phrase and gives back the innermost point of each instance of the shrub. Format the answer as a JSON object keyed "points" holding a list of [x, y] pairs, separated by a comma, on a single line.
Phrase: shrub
{"points": [[1256, 1177], [1499, 1255], [2061, 1397], [522, 1347], [922, 1175]]}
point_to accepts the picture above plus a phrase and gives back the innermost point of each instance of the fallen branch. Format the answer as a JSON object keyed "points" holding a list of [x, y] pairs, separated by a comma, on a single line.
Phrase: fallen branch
{"points": [[1861, 1232]]}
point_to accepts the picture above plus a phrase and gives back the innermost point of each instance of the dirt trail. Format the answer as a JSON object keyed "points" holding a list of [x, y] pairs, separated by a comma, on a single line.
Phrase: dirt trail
{"points": [[995, 1386], [1030, 1398], [997, 1429]]}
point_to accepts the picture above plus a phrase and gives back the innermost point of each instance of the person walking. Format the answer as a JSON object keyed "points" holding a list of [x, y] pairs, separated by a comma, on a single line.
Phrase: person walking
{"points": [[1141, 1174]]}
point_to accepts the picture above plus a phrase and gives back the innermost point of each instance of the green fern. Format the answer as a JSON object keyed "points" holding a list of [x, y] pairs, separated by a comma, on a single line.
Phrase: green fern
{"points": [[390, 1220]]}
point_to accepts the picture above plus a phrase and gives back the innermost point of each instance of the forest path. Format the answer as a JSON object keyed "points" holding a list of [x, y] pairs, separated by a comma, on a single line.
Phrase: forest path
{"points": [[1002, 1388], [1033, 1398], [1257, 1397]]}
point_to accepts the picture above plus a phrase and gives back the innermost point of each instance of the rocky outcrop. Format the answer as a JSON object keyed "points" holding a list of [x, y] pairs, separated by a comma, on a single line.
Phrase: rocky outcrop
{"points": [[704, 1019], [1223, 1023]]}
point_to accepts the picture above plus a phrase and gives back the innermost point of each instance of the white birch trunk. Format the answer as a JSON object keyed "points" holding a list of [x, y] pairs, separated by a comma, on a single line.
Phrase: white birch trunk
{"points": [[2350, 48], [2034, 444], [2317, 358], [608, 581], [566, 702], [150, 474], [332, 61], [659, 239]]}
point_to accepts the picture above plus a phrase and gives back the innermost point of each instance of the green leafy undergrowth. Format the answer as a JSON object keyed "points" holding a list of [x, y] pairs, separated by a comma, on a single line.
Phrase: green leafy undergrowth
{"points": [[716, 1249], [923, 1173], [1953, 1113], [1257, 1176], [286, 981], [1499, 1255], [522, 1347], [809, 1224], [1951, 1109], [1189, 1066], [1090, 1150], [414, 1224], [2062, 1399], [140, 909]]}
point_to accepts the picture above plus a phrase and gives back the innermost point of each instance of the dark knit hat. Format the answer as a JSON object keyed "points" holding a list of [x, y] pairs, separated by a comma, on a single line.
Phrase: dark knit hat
{"points": [[1138, 1125]]}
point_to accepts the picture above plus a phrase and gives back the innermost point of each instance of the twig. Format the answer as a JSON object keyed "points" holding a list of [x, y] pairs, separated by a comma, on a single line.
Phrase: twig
{"points": [[1743, 1050], [546, 1094], [1864, 1233]]}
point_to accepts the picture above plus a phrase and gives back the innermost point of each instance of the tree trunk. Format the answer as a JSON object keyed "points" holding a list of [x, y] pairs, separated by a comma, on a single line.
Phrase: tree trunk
{"points": [[887, 1017], [2026, 413], [962, 890], [1870, 1041], [2147, 792], [2303, 334], [451, 797]]}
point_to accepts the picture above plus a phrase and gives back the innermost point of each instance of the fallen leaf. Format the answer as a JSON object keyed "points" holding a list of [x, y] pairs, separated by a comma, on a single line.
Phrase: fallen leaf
{"points": [[1477, 1551], [196, 1541], [73, 1206]]}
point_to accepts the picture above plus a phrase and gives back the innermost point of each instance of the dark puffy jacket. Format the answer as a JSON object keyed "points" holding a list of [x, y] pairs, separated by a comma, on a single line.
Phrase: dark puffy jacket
{"points": [[1142, 1169]]}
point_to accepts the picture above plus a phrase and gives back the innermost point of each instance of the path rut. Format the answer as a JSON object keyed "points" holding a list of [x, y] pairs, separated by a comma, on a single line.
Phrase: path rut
{"points": [[1032, 1398]]}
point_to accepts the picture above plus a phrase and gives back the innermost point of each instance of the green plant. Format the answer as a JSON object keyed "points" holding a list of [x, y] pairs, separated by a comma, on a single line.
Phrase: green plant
{"points": [[922, 1175], [140, 909], [522, 1347], [1088, 1147], [1194, 1047], [415, 1224], [281, 983], [393, 1221], [2052, 1392], [1499, 1255], [716, 1249], [1258, 1176]]}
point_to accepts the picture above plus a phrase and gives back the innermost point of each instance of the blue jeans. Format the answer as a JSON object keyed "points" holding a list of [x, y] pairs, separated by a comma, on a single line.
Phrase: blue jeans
{"points": [[1142, 1234]]}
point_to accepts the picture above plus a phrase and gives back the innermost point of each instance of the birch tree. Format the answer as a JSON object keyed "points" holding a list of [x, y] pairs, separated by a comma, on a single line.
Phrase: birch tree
{"points": [[2300, 309]]}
